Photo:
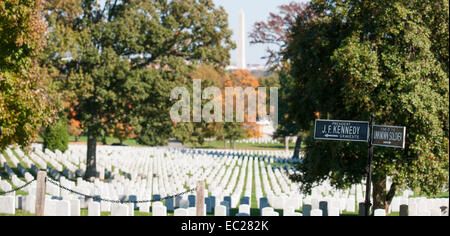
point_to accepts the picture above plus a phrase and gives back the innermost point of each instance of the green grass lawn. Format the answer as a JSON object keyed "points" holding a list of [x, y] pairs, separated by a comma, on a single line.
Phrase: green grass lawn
{"points": [[18, 213], [268, 146], [439, 195]]}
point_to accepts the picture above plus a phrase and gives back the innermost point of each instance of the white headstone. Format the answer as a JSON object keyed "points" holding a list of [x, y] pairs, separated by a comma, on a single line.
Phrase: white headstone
{"points": [[244, 209], [412, 209], [288, 211], [94, 209], [157, 204], [159, 211], [130, 209], [180, 212], [395, 205], [379, 212], [62, 208], [267, 211], [144, 207], [50, 207], [332, 211], [75, 207], [275, 214], [424, 212], [350, 205], [314, 203], [220, 210], [192, 211], [7, 205], [436, 212], [316, 212], [30, 204], [119, 210], [105, 206]]}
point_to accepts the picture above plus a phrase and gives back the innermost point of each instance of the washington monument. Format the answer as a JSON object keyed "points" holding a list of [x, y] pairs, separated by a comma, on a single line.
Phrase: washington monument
{"points": [[241, 63]]}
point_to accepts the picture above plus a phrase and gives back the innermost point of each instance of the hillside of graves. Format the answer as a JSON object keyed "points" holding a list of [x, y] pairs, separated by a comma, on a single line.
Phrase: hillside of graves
{"points": [[139, 181], [245, 144]]}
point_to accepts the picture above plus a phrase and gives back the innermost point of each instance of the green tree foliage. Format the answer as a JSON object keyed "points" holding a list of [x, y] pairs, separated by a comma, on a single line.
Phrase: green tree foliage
{"points": [[119, 60], [389, 58], [27, 100], [56, 135], [193, 31]]}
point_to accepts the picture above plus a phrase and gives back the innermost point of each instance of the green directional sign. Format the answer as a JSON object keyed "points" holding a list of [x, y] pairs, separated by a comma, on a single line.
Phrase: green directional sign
{"points": [[388, 136], [342, 130]]}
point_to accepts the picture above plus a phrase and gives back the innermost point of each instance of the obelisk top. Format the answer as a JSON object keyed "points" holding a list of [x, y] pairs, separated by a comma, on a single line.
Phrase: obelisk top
{"points": [[242, 65]]}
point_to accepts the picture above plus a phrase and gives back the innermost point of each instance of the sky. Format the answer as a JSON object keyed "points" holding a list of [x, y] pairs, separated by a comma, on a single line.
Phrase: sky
{"points": [[255, 10]]}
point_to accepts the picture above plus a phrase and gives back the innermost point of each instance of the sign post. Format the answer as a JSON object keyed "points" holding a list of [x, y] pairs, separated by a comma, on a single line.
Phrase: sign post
{"points": [[362, 131], [368, 204]]}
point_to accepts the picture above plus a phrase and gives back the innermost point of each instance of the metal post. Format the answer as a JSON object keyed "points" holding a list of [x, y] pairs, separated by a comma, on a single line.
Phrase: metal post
{"points": [[368, 204]]}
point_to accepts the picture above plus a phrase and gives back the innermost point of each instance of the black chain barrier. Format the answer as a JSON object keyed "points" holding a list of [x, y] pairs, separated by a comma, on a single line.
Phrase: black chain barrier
{"points": [[17, 189], [97, 198]]}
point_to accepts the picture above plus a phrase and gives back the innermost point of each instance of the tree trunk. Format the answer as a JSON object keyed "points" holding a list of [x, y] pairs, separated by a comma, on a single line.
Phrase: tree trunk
{"points": [[121, 141], [286, 143], [379, 192], [298, 145], [390, 195], [91, 165], [77, 139], [234, 144]]}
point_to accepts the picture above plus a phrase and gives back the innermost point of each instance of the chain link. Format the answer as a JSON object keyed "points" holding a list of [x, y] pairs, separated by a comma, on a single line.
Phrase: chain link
{"points": [[17, 189], [98, 198]]}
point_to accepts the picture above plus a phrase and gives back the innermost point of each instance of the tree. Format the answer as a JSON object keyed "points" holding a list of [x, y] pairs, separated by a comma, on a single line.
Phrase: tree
{"points": [[237, 130], [74, 127], [287, 125], [195, 133], [56, 136], [122, 132], [274, 33], [197, 32], [27, 98], [387, 58], [94, 68], [120, 59]]}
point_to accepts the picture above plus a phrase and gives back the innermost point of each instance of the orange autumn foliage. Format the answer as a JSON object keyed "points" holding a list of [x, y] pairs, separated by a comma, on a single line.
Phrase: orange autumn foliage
{"points": [[75, 126], [244, 79]]}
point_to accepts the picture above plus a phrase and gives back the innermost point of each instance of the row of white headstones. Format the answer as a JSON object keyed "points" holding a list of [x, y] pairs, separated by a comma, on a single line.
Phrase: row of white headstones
{"points": [[165, 172], [265, 140]]}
